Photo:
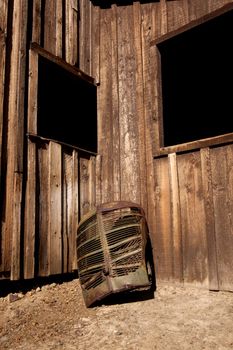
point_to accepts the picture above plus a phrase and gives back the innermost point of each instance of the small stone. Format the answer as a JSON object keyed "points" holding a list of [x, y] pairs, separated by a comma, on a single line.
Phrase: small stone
{"points": [[14, 297]]}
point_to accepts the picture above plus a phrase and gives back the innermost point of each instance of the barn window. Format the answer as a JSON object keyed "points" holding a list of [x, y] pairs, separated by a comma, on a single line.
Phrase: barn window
{"points": [[196, 82], [67, 104]]}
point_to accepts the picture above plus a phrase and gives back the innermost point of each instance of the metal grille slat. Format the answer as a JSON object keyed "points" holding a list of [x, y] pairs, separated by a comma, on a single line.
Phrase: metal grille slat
{"points": [[89, 247], [111, 245]]}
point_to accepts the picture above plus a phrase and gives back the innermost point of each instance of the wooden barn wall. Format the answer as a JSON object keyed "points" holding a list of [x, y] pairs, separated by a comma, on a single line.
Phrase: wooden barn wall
{"points": [[44, 188], [194, 229], [171, 188], [111, 43], [60, 189]]}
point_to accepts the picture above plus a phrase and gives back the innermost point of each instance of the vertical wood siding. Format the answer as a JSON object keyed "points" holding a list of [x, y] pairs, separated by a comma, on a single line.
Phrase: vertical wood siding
{"points": [[40, 188], [11, 217], [3, 81], [45, 187], [49, 246], [203, 217], [176, 190]]}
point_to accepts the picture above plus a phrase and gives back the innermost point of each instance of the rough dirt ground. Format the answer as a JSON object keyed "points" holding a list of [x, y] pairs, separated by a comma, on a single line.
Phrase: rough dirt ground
{"points": [[53, 316]]}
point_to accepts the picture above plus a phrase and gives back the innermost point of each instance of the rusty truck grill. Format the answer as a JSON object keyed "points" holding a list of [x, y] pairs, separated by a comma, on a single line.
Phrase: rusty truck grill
{"points": [[110, 245]]}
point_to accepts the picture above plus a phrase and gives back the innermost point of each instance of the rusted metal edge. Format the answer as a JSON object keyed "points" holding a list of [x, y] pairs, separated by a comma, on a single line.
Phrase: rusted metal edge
{"points": [[117, 205], [108, 206]]}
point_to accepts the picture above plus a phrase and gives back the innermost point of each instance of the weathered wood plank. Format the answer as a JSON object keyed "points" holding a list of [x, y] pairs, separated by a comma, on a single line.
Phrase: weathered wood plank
{"points": [[194, 20], [193, 221], [15, 139], [197, 8], [85, 37], [32, 92], [70, 210], [177, 13], [30, 198], [210, 222], [163, 224], [55, 209], [105, 106], [98, 179], [71, 31], [164, 16], [43, 225], [176, 230], [92, 182], [129, 148], [139, 94], [53, 26], [30, 213], [85, 204], [3, 83], [201, 8], [62, 63], [148, 11], [3, 34], [36, 21], [222, 178], [75, 213], [189, 146], [156, 87], [67, 208], [95, 59], [16, 227], [115, 108], [214, 5]]}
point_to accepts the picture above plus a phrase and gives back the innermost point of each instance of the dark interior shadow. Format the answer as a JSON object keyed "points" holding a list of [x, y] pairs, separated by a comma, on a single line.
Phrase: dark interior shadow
{"points": [[125, 297], [23, 286]]}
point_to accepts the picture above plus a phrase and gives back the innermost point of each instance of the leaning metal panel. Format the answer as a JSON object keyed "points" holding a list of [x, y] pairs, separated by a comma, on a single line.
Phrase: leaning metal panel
{"points": [[111, 244]]}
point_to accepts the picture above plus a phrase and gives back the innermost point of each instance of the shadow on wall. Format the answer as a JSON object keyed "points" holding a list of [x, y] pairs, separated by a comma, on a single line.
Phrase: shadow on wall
{"points": [[23, 286]]}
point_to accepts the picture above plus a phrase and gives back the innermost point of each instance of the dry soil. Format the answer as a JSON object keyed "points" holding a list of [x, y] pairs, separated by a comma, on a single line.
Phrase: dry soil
{"points": [[54, 316]]}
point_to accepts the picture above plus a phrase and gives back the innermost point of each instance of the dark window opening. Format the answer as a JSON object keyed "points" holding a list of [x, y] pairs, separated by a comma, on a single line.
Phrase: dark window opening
{"points": [[67, 107], [197, 78]]}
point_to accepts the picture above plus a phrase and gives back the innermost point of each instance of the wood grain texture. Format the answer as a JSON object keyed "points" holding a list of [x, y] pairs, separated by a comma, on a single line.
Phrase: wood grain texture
{"points": [[15, 137], [116, 166], [95, 44], [36, 21], [32, 93], [85, 36], [192, 219], [30, 213], [55, 209], [177, 14], [129, 135], [105, 138], [222, 179], [139, 113], [75, 212], [85, 175], [67, 190], [176, 229], [43, 219], [163, 245], [3, 35], [53, 26], [71, 31], [210, 218], [149, 27], [4, 86]]}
